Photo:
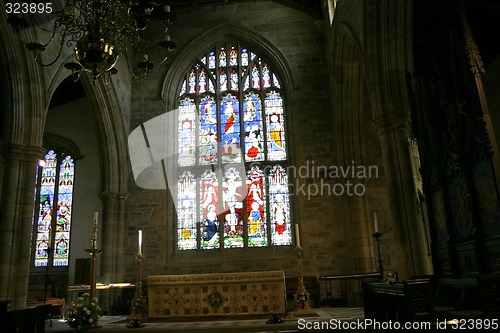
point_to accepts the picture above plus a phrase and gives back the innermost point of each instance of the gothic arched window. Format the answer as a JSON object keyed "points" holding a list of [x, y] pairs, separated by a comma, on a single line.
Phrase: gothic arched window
{"points": [[232, 189], [53, 208]]}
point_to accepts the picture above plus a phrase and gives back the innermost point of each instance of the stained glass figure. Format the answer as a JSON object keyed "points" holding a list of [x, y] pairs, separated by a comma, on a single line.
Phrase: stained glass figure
{"points": [[222, 57], [231, 110], [233, 56], [276, 148], [255, 77], [41, 251], [223, 80], [233, 209], [279, 206], [192, 82], [234, 81], [230, 127], [208, 131], [252, 117], [202, 82], [255, 207], [209, 203], [186, 135], [211, 60], [186, 200], [266, 77], [244, 57]]}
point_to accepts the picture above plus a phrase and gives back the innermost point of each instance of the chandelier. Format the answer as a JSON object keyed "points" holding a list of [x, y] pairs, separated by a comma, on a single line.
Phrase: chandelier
{"points": [[99, 31]]}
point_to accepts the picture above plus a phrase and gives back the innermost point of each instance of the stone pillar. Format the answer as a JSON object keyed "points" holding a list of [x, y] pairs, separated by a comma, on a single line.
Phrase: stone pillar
{"points": [[16, 215], [113, 204], [408, 230]]}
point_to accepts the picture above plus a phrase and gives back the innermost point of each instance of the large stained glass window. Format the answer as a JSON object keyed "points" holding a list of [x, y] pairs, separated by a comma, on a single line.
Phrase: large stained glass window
{"points": [[53, 207], [232, 189]]}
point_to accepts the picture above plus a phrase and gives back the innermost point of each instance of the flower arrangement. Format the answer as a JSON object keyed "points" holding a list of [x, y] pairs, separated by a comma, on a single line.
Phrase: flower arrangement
{"points": [[84, 312]]}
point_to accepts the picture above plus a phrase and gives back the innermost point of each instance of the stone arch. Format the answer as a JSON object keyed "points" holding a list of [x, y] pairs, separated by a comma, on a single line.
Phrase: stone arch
{"points": [[221, 33], [24, 93], [23, 99]]}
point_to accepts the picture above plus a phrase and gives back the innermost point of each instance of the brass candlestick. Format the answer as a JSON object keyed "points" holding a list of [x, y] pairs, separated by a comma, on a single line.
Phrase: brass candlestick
{"points": [[377, 235], [302, 297], [137, 306], [94, 251]]}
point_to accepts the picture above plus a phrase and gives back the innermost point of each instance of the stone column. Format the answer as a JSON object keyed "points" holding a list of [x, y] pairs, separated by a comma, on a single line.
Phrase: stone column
{"points": [[16, 214], [113, 204], [408, 229]]}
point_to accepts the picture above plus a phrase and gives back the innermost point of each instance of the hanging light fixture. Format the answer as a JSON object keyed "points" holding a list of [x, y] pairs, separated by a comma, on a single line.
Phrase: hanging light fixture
{"points": [[101, 31]]}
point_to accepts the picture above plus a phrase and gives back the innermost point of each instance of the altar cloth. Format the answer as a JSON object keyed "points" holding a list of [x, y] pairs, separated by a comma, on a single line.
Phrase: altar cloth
{"points": [[220, 294]]}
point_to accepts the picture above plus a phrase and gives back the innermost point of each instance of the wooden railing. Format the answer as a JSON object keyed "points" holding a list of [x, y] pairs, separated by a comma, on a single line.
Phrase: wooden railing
{"points": [[341, 281]]}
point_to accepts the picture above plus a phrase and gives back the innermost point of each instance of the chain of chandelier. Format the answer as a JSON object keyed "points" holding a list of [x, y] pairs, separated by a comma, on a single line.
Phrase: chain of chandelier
{"points": [[100, 31]]}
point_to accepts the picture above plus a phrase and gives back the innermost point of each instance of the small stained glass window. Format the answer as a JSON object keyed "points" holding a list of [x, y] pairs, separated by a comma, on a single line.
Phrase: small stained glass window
{"points": [[53, 216]]}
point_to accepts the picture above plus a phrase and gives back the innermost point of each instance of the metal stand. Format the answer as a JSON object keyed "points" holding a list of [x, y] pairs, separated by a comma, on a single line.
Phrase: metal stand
{"points": [[93, 263], [302, 297], [137, 306], [46, 282], [377, 235]]}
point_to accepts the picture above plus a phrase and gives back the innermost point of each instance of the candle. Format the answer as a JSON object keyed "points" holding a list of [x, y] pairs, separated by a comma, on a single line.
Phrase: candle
{"points": [[166, 9], [375, 221], [140, 241], [94, 230], [146, 57], [96, 215], [297, 236]]}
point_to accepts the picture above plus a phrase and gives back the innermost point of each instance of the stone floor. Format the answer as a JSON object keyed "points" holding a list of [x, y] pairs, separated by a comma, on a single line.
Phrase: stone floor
{"points": [[289, 324]]}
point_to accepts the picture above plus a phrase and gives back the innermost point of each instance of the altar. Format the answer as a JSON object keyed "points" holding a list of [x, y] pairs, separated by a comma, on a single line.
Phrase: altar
{"points": [[216, 295]]}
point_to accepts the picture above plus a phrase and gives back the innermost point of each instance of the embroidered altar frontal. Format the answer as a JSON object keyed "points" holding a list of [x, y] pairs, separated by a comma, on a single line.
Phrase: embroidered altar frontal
{"points": [[224, 294]]}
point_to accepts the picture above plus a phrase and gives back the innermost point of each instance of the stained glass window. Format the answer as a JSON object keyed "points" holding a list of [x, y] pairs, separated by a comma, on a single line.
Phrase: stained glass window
{"points": [[54, 202], [232, 189]]}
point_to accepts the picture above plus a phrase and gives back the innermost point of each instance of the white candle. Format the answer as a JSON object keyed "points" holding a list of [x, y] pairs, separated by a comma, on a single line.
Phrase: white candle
{"points": [[297, 236], [96, 215], [375, 221], [140, 241]]}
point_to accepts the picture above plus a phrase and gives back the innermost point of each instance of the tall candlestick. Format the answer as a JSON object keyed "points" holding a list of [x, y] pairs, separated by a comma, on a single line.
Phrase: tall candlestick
{"points": [[375, 221], [140, 242], [297, 236]]}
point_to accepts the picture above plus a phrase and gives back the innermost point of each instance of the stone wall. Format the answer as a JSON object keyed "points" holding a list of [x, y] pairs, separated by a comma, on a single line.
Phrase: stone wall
{"points": [[327, 234]]}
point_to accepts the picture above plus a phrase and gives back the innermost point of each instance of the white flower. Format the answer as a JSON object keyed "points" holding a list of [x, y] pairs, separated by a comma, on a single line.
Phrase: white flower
{"points": [[91, 320], [88, 312]]}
